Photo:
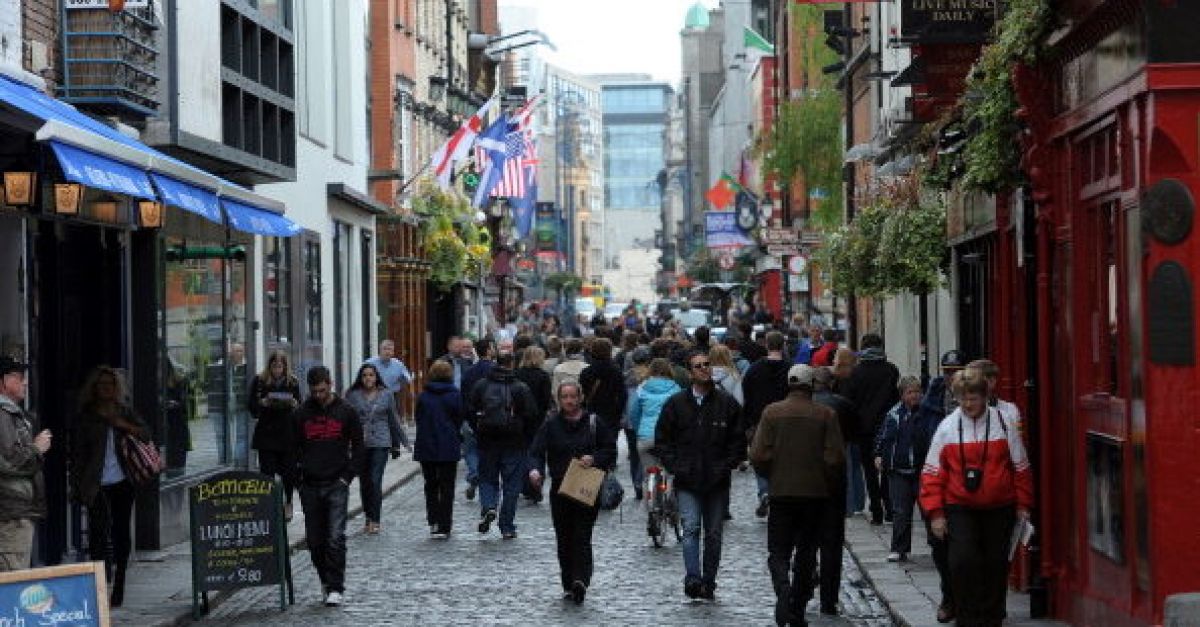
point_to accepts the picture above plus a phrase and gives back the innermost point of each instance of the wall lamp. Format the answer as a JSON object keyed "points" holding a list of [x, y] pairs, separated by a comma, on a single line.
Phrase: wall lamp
{"points": [[437, 88]]}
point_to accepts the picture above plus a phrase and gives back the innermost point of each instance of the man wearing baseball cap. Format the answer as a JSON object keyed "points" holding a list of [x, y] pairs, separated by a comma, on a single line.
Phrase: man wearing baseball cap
{"points": [[806, 441], [22, 454]]}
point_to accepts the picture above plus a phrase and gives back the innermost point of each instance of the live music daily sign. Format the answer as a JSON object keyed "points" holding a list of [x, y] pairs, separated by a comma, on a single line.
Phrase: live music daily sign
{"points": [[239, 538]]}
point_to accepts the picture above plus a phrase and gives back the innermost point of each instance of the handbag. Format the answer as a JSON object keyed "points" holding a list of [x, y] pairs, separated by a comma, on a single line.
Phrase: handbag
{"points": [[141, 461], [611, 493]]}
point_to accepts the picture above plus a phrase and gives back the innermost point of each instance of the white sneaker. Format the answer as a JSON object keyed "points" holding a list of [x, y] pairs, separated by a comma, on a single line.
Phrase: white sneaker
{"points": [[893, 557], [333, 599]]}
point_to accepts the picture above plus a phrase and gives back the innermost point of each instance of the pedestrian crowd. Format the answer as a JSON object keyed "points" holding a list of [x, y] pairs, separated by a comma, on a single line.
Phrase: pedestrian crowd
{"points": [[829, 433]]}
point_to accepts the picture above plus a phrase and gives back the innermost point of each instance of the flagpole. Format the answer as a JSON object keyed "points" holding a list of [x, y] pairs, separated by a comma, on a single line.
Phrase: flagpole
{"points": [[413, 178]]}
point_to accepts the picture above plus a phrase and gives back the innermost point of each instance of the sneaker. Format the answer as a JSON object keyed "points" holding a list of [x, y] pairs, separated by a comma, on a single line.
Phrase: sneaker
{"points": [[578, 592], [708, 591], [509, 535], [567, 594], [764, 506], [333, 599], [439, 535], [945, 613], [691, 588], [470, 492], [485, 521], [894, 557], [637, 493], [829, 610]]}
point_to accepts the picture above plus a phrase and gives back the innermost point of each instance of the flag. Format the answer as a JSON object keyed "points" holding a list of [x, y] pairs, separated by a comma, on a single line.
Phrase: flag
{"points": [[517, 171], [722, 192], [523, 210], [492, 142], [458, 146], [756, 42]]}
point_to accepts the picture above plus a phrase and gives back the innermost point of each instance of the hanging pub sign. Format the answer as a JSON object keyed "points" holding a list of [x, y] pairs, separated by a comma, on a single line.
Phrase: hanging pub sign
{"points": [[239, 537], [946, 21]]}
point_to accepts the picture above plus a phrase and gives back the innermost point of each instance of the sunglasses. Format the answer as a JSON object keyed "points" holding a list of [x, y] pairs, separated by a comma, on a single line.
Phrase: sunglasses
{"points": [[704, 365]]}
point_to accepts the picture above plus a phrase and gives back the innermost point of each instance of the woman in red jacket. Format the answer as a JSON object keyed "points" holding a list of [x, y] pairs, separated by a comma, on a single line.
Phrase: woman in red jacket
{"points": [[975, 485]]}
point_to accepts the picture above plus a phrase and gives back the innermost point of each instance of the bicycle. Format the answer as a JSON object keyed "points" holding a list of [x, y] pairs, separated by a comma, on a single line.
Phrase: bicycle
{"points": [[662, 508]]}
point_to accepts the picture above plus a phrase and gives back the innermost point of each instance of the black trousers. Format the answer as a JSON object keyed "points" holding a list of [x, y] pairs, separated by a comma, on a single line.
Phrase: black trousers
{"points": [[940, 548], [325, 530], [439, 493], [979, 562], [573, 523], [110, 538], [876, 496], [833, 540], [275, 463], [793, 535]]}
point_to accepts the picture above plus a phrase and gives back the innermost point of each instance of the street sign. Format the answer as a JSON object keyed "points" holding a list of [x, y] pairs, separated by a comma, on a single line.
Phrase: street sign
{"points": [[783, 250], [798, 264], [777, 236], [726, 262]]}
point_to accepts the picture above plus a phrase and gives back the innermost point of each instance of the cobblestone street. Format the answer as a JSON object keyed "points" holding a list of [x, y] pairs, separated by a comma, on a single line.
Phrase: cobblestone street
{"points": [[401, 577]]}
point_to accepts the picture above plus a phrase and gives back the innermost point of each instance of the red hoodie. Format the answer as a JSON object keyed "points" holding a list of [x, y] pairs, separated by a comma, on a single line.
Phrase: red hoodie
{"points": [[824, 355], [1007, 478]]}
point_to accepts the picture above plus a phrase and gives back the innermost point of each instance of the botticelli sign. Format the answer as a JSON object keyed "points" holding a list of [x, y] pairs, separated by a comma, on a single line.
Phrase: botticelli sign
{"points": [[946, 21], [72, 594], [238, 535]]}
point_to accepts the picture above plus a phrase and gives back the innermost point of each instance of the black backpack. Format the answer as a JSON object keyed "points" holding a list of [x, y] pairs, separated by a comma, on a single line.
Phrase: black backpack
{"points": [[496, 416]]}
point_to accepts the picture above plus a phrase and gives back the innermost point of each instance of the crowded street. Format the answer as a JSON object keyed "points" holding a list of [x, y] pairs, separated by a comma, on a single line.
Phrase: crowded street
{"points": [[402, 577]]}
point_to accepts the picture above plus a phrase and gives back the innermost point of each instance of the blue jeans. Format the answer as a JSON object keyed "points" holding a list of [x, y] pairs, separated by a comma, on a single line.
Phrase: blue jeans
{"points": [[471, 455], [764, 485], [370, 484], [501, 468], [707, 510], [856, 489]]}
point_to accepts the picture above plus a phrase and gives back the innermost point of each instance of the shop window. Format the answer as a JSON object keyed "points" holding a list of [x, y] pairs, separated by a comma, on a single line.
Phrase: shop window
{"points": [[205, 322], [1105, 496], [277, 291], [312, 291]]}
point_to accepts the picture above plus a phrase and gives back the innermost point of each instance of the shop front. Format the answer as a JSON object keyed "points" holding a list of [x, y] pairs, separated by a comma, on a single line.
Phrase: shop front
{"points": [[125, 257]]}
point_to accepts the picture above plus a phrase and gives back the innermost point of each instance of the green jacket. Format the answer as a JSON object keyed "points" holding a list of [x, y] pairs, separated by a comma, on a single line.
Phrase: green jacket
{"points": [[22, 488], [798, 446]]}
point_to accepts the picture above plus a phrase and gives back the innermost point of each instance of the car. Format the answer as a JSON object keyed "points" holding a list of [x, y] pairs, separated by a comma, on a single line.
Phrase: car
{"points": [[612, 311], [693, 318]]}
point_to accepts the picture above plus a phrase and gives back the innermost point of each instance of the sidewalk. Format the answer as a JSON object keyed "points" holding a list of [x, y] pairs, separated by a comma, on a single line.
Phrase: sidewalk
{"points": [[158, 588], [910, 590]]}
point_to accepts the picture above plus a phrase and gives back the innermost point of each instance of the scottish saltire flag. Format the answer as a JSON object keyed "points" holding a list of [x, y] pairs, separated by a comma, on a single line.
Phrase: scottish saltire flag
{"points": [[458, 146], [494, 144]]}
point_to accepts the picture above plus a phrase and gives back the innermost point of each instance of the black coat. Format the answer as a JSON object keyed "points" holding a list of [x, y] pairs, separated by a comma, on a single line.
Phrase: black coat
{"points": [[604, 390], [523, 404], [538, 382], [273, 431], [559, 440], [89, 439], [700, 443], [872, 389], [765, 383]]}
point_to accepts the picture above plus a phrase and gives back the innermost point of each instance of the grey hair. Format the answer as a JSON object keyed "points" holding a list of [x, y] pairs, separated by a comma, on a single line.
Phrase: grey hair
{"points": [[908, 381]]}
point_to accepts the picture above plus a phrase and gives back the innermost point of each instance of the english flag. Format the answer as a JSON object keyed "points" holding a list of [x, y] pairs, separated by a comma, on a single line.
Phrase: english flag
{"points": [[458, 146]]}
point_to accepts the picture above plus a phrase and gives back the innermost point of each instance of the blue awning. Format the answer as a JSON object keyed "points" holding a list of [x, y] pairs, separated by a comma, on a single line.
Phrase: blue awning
{"points": [[187, 197], [243, 217], [97, 155], [93, 170]]}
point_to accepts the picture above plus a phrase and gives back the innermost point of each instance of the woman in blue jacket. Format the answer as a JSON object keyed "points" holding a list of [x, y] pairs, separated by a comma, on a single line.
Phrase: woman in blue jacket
{"points": [[439, 418], [646, 404], [896, 457]]}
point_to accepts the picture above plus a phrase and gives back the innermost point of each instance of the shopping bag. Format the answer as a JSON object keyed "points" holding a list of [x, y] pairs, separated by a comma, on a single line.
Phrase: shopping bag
{"points": [[582, 483]]}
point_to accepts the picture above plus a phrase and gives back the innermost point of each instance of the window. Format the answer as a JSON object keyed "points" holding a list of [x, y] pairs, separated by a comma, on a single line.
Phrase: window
{"points": [[366, 262], [277, 290], [312, 290], [341, 299], [343, 141], [1106, 498], [259, 56]]}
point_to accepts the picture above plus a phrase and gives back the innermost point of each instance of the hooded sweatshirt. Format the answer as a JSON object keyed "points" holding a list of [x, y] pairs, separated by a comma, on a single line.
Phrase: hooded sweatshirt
{"points": [[328, 440], [646, 404], [731, 382]]}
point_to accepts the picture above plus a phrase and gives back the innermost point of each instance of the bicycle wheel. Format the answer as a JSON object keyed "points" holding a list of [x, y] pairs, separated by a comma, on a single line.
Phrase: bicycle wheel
{"points": [[658, 534]]}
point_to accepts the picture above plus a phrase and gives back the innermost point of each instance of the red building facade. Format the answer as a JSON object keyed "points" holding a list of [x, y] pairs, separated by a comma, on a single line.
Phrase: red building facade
{"points": [[1091, 301]]}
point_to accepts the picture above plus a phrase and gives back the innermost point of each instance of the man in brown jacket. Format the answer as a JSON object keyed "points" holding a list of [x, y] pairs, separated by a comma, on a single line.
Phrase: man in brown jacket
{"points": [[804, 436]]}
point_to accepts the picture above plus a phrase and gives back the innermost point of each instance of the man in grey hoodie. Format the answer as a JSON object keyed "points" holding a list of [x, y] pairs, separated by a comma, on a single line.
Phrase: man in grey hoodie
{"points": [[22, 454]]}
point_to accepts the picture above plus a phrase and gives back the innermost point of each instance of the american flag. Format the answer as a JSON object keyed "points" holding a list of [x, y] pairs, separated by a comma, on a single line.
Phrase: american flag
{"points": [[521, 148]]}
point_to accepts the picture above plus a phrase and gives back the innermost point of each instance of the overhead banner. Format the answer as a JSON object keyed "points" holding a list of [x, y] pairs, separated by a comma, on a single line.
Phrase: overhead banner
{"points": [[946, 21], [721, 230]]}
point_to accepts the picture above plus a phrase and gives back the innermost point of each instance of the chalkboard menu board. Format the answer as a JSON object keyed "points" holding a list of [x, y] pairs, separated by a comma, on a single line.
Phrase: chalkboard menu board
{"points": [[71, 594], [239, 538]]}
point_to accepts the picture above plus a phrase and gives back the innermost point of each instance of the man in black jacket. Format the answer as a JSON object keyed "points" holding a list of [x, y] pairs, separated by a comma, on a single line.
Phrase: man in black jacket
{"points": [[470, 378], [765, 383], [329, 454], [833, 522], [571, 434], [501, 410], [700, 440], [872, 389]]}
